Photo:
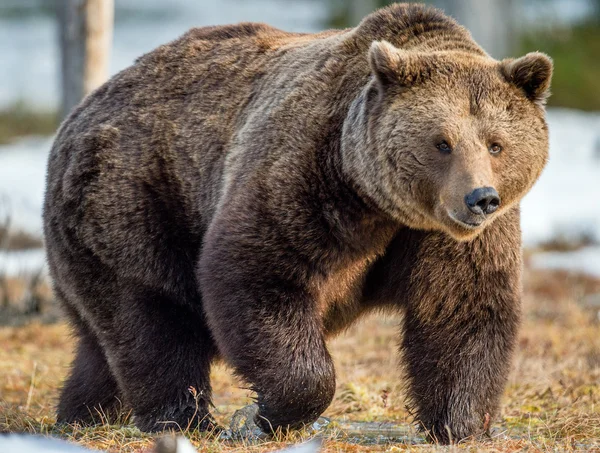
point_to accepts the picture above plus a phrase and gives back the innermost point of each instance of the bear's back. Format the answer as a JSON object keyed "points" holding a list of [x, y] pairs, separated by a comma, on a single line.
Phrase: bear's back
{"points": [[136, 170]]}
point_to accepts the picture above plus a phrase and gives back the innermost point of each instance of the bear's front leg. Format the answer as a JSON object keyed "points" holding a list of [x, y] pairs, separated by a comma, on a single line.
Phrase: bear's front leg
{"points": [[265, 323], [460, 328]]}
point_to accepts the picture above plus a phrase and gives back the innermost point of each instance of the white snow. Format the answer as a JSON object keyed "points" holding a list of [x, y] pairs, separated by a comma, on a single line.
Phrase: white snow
{"points": [[22, 180], [585, 260], [566, 199], [22, 262], [24, 443]]}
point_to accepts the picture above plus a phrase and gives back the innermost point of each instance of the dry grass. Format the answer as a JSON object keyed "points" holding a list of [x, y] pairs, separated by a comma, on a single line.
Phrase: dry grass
{"points": [[552, 402]]}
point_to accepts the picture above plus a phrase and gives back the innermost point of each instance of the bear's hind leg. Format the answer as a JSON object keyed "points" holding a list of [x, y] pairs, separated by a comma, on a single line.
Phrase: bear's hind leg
{"points": [[161, 351], [90, 394]]}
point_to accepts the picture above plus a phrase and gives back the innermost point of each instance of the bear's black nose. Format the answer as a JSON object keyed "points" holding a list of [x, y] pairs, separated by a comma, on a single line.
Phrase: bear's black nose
{"points": [[483, 200]]}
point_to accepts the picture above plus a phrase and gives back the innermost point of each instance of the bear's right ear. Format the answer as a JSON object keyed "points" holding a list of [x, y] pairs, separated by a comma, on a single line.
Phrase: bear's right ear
{"points": [[393, 66]]}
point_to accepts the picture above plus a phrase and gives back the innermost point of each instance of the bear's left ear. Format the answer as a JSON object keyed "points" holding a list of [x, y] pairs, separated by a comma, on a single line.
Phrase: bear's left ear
{"points": [[532, 73], [393, 66]]}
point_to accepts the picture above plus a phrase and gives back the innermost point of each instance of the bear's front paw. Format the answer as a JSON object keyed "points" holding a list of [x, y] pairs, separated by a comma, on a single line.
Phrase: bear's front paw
{"points": [[243, 424], [460, 430]]}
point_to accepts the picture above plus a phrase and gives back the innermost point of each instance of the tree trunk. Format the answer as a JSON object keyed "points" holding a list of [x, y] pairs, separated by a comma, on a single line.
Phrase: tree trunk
{"points": [[86, 28]]}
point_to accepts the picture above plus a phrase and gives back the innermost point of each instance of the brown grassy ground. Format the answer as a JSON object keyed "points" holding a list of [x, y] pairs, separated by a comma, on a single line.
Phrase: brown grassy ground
{"points": [[552, 401]]}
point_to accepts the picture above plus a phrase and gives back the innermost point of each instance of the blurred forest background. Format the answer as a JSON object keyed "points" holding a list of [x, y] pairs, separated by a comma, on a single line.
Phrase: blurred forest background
{"points": [[568, 30]]}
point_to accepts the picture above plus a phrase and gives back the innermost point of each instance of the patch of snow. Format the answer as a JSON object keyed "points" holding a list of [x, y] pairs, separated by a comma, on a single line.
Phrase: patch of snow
{"points": [[22, 262], [23, 443], [566, 199], [585, 260], [312, 446], [22, 181]]}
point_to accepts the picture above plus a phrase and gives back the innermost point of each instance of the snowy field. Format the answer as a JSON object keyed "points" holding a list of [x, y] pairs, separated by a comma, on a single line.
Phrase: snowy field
{"points": [[564, 203]]}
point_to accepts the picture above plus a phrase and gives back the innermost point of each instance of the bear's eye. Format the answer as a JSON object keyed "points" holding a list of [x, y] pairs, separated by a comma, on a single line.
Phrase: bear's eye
{"points": [[495, 148], [444, 147]]}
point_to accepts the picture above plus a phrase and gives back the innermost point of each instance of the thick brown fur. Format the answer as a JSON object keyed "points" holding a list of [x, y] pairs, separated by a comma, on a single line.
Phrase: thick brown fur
{"points": [[244, 192]]}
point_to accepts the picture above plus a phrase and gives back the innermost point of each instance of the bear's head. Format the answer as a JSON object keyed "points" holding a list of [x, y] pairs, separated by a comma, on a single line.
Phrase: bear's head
{"points": [[446, 140]]}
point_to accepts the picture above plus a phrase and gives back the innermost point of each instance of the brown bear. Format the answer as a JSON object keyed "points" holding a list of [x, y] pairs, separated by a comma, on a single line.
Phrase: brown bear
{"points": [[243, 193]]}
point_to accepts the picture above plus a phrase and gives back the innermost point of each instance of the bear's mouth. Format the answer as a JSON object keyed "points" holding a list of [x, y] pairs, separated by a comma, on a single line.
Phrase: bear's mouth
{"points": [[471, 224]]}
